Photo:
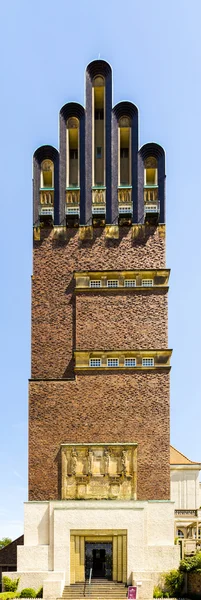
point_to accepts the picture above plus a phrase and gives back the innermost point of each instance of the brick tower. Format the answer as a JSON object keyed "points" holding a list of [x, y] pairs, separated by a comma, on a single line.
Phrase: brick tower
{"points": [[99, 474]]}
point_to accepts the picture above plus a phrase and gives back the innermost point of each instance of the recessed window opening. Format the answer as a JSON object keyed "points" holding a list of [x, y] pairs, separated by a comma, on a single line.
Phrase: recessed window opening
{"points": [[47, 174], [99, 152], [124, 151], [150, 171], [130, 362], [148, 362], [112, 362], [72, 152], [129, 282], [99, 114], [95, 283], [98, 137], [112, 283], [95, 362], [147, 282]]}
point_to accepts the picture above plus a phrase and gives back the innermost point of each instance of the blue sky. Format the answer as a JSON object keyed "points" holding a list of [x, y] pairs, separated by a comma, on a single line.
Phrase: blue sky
{"points": [[155, 51]]}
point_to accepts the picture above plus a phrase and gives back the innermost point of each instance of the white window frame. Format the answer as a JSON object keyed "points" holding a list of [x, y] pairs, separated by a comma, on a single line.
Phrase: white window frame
{"points": [[148, 362], [132, 362], [95, 283], [110, 283], [112, 360], [93, 363], [147, 282], [129, 283]]}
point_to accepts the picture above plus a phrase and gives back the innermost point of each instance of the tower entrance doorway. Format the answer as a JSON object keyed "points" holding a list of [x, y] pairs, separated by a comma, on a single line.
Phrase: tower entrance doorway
{"points": [[104, 551], [98, 558]]}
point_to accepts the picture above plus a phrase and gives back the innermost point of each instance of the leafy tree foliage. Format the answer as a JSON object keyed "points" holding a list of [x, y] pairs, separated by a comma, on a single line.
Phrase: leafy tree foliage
{"points": [[4, 542]]}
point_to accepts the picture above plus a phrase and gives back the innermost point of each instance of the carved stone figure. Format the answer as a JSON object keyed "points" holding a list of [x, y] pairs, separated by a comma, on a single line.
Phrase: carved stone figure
{"points": [[73, 461], [106, 461], [90, 461], [124, 462]]}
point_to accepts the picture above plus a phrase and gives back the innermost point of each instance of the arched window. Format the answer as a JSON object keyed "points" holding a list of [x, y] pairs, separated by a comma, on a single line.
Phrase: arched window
{"points": [[47, 174], [72, 152], [98, 103], [124, 136], [180, 533], [150, 171]]}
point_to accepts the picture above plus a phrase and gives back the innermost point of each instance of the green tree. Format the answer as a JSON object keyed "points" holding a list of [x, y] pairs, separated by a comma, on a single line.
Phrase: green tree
{"points": [[4, 542]]}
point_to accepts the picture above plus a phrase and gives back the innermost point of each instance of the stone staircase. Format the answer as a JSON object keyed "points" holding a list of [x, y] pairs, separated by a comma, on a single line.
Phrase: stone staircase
{"points": [[99, 589]]}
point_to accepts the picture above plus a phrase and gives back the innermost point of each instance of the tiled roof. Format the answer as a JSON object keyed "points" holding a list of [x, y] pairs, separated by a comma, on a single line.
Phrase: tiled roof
{"points": [[177, 458]]}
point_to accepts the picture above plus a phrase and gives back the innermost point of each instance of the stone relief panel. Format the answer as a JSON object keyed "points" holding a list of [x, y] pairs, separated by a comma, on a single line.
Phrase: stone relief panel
{"points": [[99, 471]]}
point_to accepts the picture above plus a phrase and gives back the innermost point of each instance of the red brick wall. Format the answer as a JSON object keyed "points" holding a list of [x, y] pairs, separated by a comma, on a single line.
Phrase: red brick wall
{"points": [[53, 300], [104, 407], [112, 407], [125, 320]]}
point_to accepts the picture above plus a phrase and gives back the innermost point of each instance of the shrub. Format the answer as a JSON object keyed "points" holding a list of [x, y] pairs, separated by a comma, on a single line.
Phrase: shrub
{"points": [[193, 563], [157, 593], [173, 583], [10, 585], [28, 593], [39, 593]]}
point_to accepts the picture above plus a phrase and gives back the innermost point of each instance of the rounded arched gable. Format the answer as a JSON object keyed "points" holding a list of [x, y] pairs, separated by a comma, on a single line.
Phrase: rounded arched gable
{"points": [[156, 151], [129, 110], [98, 68], [41, 154], [70, 110]]}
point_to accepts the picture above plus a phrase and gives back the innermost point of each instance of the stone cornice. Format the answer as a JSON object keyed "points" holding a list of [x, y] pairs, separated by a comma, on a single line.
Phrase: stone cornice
{"points": [[132, 280], [160, 359]]}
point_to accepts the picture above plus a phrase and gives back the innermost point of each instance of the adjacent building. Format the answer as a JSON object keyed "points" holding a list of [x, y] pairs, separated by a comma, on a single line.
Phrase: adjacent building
{"points": [[186, 494]]}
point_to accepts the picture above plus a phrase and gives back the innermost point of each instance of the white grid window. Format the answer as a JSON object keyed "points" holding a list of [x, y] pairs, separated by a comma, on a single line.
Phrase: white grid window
{"points": [[148, 362], [95, 362], [112, 283], [95, 283], [147, 282], [129, 282], [130, 362], [112, 362]]}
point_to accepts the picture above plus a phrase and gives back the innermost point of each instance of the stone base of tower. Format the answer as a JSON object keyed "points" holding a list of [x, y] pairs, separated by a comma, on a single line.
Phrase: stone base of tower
{"points": [[63, 539]]}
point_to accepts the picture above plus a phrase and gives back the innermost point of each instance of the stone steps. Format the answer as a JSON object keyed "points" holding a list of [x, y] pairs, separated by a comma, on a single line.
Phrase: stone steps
{"points": [[97, 590]]}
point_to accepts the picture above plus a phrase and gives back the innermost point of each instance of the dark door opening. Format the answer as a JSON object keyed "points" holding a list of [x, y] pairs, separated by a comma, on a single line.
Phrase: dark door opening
{"points": [[98, 568], [98, 557]]}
